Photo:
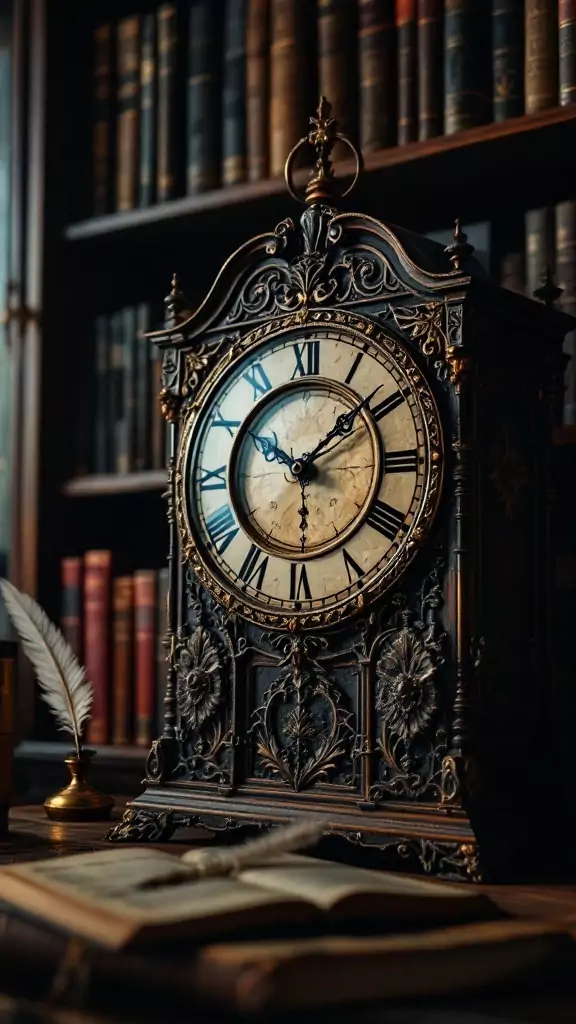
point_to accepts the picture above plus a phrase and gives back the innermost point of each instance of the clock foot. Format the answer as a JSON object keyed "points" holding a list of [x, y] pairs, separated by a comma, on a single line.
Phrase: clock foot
{"points": [[140, 826], [453, 862]]}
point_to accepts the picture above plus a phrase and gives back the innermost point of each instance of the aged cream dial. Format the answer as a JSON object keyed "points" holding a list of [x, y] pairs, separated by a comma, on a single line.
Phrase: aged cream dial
{"points": [[309, 473]]}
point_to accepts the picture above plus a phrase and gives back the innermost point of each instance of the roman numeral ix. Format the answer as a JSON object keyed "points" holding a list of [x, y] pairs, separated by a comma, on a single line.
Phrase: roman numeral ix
{"points": [[229, 425], [385, 519], [213, 479]]}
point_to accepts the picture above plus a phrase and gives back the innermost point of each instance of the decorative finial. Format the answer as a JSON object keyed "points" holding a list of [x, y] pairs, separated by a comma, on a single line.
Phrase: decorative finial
{"points": [[174, 303], [322, 186], [548, 291], [460, 249]]}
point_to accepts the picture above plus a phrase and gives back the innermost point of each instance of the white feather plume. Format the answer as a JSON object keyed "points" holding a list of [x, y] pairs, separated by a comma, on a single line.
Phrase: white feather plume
{"points": [[61, 677]]}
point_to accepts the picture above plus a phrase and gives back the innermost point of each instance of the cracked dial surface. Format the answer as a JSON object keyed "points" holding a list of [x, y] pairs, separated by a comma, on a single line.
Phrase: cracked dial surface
{"points": [[306, 472]]}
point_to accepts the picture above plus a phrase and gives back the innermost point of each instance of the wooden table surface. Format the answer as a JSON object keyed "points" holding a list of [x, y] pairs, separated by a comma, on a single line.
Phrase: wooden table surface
{"points": [[33, 836]]}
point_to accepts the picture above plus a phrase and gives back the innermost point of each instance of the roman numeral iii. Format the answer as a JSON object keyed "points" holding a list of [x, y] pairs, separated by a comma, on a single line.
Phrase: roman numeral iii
{"points": [[385, 519], [254, 567], [401, 462], [221, 527], [307, 359]]}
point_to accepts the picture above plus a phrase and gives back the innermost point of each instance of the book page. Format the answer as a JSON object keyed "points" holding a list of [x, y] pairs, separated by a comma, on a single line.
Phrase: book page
{"points": [[109, 882], [325, 883]]}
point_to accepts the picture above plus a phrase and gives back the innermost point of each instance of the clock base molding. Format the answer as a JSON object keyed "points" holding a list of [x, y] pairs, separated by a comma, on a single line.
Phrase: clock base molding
{"points": [[441, 844]]}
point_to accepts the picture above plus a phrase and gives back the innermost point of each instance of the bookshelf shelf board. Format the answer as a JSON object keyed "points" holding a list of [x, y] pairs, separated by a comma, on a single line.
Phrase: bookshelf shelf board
{"points": [[116, 483], [464, 170], [44, 750]]}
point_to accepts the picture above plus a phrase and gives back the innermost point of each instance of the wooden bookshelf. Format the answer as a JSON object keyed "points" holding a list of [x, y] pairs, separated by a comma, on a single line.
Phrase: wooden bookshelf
{"points": [[115, 483], [493, 156]]}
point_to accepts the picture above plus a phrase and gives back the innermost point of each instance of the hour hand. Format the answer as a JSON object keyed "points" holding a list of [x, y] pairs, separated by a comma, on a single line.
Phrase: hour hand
{"points": [[270, 450]]}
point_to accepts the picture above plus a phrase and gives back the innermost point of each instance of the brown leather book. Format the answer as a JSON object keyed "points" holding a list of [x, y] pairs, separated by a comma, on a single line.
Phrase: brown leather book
{"points": [[290, 30], [127, 149], [566, 279], [407, 71], [540, 54], [123, 658], [337, 64], [430, 68], [170, 128], [377, 74], [97, 576], [102, 126], [71, 571], [145, 641], [539, 246], [567, 45], [257, 87]]}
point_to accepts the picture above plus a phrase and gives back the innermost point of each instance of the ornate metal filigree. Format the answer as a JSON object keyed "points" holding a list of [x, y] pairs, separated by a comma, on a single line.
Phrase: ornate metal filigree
{"points": [[302, 732], [198, 679], [411, 652], [424, 324], [406, 696], [508, 469], [169, 405], [143, 826], [456, 862]]}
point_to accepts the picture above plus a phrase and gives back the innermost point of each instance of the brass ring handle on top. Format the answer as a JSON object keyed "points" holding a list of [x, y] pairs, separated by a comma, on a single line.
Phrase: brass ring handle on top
{"points": [[322, 138]]}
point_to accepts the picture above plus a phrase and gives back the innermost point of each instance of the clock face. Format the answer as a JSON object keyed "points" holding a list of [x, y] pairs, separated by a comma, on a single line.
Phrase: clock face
{"points": [[309, 471]]}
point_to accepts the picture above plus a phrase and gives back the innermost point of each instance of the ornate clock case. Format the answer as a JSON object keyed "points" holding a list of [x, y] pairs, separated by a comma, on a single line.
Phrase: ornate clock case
{"points": [[405, 701]]}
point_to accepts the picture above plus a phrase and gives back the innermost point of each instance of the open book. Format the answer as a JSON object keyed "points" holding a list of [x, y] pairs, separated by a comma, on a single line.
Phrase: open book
{"points": [[102, 897]]}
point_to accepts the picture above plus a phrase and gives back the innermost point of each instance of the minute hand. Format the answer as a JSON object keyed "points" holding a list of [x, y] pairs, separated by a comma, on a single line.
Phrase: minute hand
{"points": [[341, 428]]}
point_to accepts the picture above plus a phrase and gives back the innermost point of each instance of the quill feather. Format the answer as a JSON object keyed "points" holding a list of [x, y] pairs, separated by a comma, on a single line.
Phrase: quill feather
{"points": [[209, 862], [61, 677]]}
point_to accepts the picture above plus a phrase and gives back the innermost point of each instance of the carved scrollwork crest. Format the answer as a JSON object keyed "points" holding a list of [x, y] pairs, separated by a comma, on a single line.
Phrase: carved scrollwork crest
{"points": [[302, 732], [437, 329]]}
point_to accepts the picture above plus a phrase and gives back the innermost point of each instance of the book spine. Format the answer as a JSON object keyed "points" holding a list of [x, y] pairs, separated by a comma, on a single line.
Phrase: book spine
{"points": [[507, 58], [148, 111], [157, 421], [123, 640], [116, 432], [430, 84], [377, 74], [467, 87], [126, 453], [97, 573], [407, 70], [101, 412], [539, 246], [567, 47], [203, 98], [71, 614], [143, 388], [337, 56], [566, 279], [101, 130], [257, 87], [145, 639], [540, 54], [234, 93], [128, 64], [512, 272], [288, 80], [167, 125], [161, 655]]}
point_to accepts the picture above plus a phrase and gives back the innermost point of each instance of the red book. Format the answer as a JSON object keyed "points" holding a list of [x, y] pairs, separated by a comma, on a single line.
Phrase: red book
{"points": [[71, 571], [145, 635], [123, 658], [97, 574]]}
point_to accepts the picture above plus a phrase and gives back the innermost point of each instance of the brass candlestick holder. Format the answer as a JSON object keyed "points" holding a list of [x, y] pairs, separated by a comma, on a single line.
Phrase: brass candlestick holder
{"points": [[79, 801]]}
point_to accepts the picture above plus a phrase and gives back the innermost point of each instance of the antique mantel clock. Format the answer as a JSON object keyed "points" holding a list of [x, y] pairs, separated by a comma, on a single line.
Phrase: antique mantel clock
{"points": [[358, 606]]}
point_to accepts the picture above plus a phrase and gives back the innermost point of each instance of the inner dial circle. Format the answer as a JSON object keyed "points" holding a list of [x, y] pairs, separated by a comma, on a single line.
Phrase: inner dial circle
{"points": [[297, 512]]}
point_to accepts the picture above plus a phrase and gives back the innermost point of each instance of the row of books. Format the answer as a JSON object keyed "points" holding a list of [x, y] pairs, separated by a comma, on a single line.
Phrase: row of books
{"points": [[116, 626], [129, 432], [202, 94]]}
